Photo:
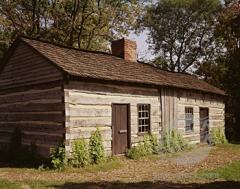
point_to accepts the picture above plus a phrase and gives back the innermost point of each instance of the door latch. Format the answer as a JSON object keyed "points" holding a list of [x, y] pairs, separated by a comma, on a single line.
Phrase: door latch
{"points": [[122, 131]]}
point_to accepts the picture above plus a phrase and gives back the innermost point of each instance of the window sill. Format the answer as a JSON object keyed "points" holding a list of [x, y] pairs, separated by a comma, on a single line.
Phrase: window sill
{"points": [[142, 134]]}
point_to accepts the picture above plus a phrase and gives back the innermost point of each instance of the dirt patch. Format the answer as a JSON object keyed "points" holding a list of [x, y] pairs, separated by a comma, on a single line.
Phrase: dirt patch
{"points": [[130, 171]]}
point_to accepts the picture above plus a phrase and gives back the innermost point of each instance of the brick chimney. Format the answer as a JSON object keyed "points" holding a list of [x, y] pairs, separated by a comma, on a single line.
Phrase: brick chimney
{"points": [[125, 48]]}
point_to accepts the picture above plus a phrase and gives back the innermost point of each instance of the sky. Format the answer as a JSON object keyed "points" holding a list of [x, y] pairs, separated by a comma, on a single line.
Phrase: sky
{"points": [[142, 46]]}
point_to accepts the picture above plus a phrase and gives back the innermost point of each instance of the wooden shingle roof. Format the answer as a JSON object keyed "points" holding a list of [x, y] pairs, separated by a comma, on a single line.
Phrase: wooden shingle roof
{"points": [[104, 66]]}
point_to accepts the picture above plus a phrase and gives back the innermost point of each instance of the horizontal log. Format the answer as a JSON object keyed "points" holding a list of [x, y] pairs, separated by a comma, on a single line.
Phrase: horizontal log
{"points": [[41, 86], [26, 72], [34, 126], [33, 107], [15, 67], [30, 79], [89, 112], [87, 86], [84, 122], [47, 94], [44, 116], [45, 79], [107, 99]]}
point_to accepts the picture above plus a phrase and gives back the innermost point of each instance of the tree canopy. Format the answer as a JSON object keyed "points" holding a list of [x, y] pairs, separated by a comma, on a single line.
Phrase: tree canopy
{"points": [[181, 32], [88, 24]]}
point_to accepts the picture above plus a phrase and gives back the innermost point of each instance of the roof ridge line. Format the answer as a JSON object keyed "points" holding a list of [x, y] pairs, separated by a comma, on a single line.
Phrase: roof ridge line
{"points": [[64, 46]]}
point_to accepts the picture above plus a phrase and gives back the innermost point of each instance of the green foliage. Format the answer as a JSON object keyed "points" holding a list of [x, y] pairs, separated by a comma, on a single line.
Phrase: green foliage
{"points": [[227, 172], [80, 154], [173, 142], [184, 39], [96, 149], [58, 158], [83, 24], [218, 136], [137, 152], [150, 145], [5, 184]]}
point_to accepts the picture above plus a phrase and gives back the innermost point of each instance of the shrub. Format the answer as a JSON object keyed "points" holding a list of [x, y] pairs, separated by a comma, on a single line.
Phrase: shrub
{"points": [[58, 157], [217, 136], [137, 152], [96, 149], [173, 142], [81, 156], [150, 145]]}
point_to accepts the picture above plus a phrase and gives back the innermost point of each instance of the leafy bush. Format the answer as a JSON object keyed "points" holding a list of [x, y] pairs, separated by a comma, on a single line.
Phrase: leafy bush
{"points": [[173, 142], [96, 149], [58, 158], [217, 136], [81, 156], [137, 152], [150, 145]]}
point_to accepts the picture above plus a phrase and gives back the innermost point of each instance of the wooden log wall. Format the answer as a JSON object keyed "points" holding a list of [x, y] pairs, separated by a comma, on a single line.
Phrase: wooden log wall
{"points": [[88, 105], [174, 102], [31, 99]]}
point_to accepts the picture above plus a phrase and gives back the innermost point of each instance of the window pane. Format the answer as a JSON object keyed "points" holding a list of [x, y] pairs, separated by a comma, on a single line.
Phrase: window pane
{"points": [[189, 119], [143, 117]]}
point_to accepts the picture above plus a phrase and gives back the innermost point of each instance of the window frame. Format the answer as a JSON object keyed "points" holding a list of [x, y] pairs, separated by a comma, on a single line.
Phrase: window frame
{"points": [[187, 119], [149, 119]]}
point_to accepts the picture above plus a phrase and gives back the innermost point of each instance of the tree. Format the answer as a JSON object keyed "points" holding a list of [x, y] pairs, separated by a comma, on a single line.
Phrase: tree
{"points": [[181, 32], [88, 24], [229, 31]]}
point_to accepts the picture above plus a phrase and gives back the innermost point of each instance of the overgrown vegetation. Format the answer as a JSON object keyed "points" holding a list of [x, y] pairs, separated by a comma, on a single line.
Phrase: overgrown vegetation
{"points": [[171, 142], [58, 158], [217, 136], [80, 154], [96, 149], [150, 145], [83, 153]]}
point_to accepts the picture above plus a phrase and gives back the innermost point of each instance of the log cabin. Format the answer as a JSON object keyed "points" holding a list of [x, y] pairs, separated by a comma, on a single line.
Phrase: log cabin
{"points": [[56, 94]]}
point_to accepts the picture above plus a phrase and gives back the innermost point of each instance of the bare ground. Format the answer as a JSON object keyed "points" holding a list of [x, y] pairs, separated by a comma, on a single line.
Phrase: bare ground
{"points": [[152, 172]]}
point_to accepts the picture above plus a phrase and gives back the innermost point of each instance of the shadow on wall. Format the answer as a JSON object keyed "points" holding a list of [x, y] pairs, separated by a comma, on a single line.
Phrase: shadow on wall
{"points": [[148, 185]]}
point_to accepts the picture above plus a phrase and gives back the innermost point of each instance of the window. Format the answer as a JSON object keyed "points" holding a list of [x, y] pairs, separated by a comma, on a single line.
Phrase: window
{"points": [[143, 118], [189, 119]]}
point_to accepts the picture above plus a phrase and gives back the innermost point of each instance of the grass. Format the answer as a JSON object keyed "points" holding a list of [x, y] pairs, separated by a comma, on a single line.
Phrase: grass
{"points": [[229, 172], [9, 185], [156, 171], [110, 164]]}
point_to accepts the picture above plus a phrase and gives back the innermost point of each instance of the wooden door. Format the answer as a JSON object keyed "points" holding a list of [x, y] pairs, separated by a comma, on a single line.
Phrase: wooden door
{"points": [[204, 124], [120, 128]]}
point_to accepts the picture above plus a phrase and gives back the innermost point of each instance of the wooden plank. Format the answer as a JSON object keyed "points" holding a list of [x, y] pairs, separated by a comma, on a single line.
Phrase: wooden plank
{"points": [[98, 87], [51, 94], [23, 62], [17, 72], [89, 112], [43, 80], [39, 86], [33, 126], [32, 107], [44, 116], [91, 122], [79, 97], [30, 78]]}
